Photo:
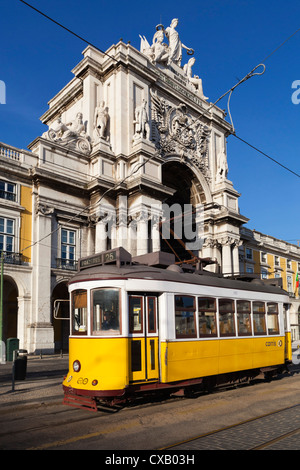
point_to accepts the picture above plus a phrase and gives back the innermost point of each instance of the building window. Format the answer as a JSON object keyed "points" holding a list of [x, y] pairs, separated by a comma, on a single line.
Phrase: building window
{"points": [[288, 264], [6, 235], [263, 257], [264, 274], [276, 260], [249, 254], [68, 248], [7, 191], [289, 281]]}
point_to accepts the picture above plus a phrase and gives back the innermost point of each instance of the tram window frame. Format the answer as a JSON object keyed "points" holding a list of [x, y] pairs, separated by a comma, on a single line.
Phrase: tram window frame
{"points": [[227, 312], [132, 318], [272, 318], [261, 316], [205, 313], [105, 317], [243, 314], [151, 326], [81, 293], [183, 312]]}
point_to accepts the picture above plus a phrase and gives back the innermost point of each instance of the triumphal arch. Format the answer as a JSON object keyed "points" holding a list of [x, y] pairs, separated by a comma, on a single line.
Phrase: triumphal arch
{"points": [[139, 156]]}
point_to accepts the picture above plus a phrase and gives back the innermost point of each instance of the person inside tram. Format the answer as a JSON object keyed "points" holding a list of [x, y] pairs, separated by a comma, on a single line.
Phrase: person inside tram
{"points": [[105, 323]]}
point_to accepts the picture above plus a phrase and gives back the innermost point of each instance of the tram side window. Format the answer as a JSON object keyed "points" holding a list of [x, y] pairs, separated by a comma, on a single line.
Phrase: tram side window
{"points": [[259, 318], [79, 312], [106, 312], [207, 317], [243, 308], [185, 323], [226, 317], [272, 318]]}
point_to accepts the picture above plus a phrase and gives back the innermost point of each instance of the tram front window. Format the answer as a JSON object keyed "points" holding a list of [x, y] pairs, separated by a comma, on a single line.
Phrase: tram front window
{"points": [[106, 312], [79, 312]]}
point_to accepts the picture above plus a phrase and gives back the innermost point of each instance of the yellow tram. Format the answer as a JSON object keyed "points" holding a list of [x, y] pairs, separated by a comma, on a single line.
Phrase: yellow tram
{"points": [[144, 324]]}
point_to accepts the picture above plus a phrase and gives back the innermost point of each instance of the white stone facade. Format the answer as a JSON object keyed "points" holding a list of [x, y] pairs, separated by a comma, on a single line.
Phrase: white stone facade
{"points": [[132, 131]]}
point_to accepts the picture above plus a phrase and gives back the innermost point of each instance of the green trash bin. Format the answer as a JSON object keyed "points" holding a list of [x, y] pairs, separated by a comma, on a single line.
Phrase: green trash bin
{"points": [[12, 344]]}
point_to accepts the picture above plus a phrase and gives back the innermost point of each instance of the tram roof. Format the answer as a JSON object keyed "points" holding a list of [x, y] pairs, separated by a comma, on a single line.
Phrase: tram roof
{"points": [[172, 273]]}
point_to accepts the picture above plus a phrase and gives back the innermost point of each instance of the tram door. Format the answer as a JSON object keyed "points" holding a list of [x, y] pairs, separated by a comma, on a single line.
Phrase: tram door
{"points": [[143, 330]]}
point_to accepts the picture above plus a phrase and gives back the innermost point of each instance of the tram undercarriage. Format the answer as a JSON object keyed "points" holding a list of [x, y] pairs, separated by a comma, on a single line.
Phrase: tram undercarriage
{"points": [[156, 390]]}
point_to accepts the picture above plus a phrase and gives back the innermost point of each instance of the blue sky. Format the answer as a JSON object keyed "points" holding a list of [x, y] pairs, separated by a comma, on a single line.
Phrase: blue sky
{"points": [[229, 37]]}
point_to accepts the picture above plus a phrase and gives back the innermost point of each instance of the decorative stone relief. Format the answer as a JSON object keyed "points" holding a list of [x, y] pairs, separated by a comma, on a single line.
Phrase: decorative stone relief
{"points": [[178, 132], [71, 135], [43, 209]]}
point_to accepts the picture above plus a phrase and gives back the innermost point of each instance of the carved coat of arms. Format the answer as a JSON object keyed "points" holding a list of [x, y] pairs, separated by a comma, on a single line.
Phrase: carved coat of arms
{"points": [[177, 132]]}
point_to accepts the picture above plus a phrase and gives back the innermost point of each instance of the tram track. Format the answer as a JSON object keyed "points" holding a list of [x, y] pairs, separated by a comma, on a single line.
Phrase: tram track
{"points": [[51, 425], [278, 439], [195, 442]]}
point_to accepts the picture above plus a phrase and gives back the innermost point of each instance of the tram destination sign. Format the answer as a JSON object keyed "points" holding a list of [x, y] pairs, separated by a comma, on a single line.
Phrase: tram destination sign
{"points": [[116, 256]]}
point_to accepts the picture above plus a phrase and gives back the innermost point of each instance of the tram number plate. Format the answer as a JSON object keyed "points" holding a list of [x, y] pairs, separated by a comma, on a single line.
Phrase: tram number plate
{"points": [[108, 257]]}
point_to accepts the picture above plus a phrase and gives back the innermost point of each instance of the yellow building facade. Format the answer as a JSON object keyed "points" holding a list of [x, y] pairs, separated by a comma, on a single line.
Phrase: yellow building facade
{"points": [[269, 258]]}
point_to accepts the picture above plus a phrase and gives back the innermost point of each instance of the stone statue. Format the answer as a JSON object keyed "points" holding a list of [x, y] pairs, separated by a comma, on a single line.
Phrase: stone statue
{"points": [[142, 128], [159, 52], [71, 135], [101, 118], [175, 45], [160, 49], [195, 80], [74, 128], [222, 167]]}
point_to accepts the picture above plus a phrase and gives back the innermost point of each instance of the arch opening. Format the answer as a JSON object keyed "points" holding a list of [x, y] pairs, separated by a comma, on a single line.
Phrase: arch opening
{"points": [[178, 230]]}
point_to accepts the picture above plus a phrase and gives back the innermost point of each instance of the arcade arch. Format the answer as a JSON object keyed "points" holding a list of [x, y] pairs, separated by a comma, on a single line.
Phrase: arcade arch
{"points": [[190, 188], [61, 327], [10, 308]]}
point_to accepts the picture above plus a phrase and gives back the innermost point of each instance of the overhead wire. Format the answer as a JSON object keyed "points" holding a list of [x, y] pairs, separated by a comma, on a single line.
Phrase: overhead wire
{"points": [[116, 186], [67, 29], [246, 142], [266, 155], [230, 91]]}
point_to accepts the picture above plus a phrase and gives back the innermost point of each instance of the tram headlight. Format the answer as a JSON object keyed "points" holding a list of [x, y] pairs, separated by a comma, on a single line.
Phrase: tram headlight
{"points": [[76, 366]]}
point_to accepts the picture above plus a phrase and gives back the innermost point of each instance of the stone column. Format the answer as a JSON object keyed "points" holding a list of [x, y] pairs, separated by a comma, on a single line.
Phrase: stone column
{"points": [[142, 234], [100, 235], [235, 257], [122, 222], [226, 256], [41, 330], [155, 235]]}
